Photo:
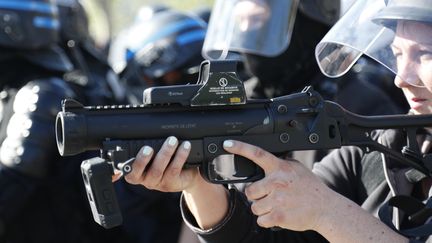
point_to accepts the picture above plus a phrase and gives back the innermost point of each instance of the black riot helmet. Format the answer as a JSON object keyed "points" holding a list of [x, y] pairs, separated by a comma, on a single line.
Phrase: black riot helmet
{"points": [[30, 30], [74, 20], [263, 27], [28, 24], [275, 39], [288, 71], [117, 48], [170, 41]]}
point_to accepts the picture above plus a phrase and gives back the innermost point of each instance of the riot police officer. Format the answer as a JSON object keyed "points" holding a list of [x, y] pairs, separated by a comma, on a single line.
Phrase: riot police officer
{"points": [[342, 198], [91, 66], [42, 195]]}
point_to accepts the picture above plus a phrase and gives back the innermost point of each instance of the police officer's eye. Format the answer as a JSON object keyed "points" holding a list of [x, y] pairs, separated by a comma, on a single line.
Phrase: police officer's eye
{"points": [[397, 53], [425, 54]]}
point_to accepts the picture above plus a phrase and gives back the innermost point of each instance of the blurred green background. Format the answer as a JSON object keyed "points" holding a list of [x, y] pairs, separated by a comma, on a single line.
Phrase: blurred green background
{"points": [[109, 17]]}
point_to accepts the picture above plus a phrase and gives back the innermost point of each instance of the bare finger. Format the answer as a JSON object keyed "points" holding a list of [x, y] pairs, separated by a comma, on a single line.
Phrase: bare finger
{"points": [[272, 219], [155, 173], [176, 165], [257, 190], [138, 166], [262, 206]]}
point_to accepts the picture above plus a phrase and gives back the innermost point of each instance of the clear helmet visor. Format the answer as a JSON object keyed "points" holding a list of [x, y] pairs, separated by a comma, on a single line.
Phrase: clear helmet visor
{"points": [[261, 27], [380, 29]]}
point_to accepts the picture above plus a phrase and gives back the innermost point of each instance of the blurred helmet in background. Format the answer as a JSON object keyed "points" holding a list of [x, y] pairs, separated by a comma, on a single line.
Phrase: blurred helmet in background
{"points": [[263, 27], [28, 24], [165, 49], [32, 26], [74, 20], [275, 39], [116, 54]]}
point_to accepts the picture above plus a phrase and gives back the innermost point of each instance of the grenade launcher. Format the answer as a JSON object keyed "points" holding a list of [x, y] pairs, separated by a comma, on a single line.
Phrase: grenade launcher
{"points": [[206, 114]]}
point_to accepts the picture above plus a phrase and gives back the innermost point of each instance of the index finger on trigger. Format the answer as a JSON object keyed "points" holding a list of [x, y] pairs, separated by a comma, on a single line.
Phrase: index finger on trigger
{"points": [[259, 156]]}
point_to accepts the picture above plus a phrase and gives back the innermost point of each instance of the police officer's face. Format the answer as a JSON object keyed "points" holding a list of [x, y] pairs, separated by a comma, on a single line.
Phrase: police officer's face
{"points": [[251, 15], [412, 47]]}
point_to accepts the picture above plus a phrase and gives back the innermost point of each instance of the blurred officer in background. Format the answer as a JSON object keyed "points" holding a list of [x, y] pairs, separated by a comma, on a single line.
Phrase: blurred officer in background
{"points": [[91, 66], [42, 197], [165, 50], [277, 48]]}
